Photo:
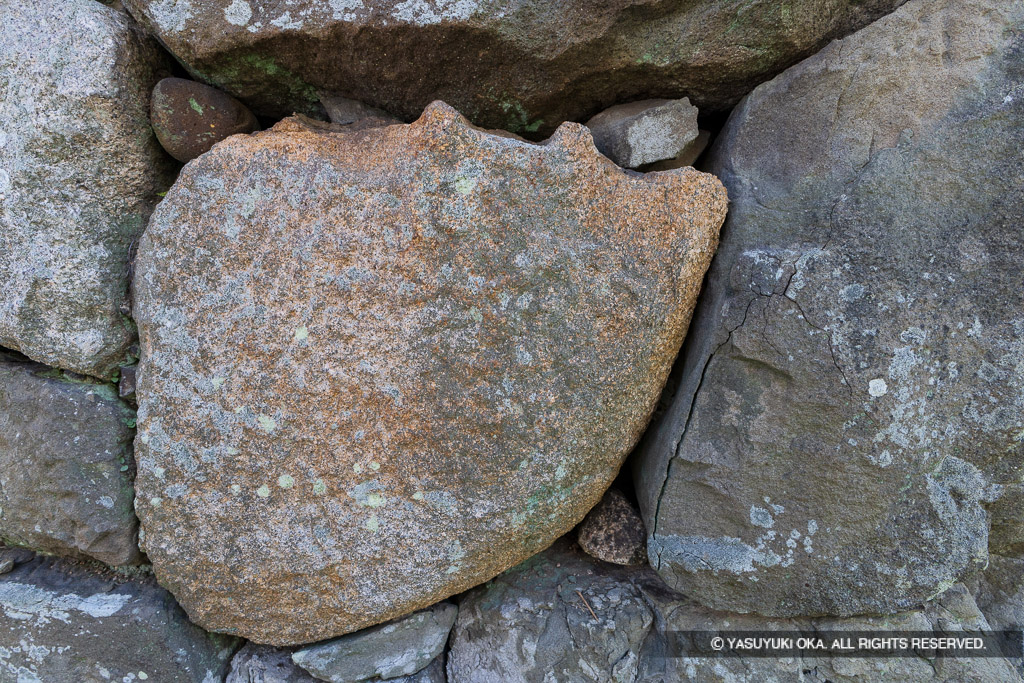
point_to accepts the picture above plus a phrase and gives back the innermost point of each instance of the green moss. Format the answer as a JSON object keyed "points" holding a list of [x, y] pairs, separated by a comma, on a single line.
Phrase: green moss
{"points": [[517, 117], [252, 67], [196, 107]]}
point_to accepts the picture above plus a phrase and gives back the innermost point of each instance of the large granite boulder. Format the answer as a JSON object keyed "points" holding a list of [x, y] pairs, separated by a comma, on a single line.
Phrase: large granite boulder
{"points": [[64, 624], [65, 465], [79, 174], [564, 617], [852, 392], [524, 66], [380, 367]]}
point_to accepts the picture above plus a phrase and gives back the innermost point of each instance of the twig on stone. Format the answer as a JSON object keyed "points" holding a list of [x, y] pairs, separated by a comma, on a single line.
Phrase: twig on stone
{"points": [[589, 609]]}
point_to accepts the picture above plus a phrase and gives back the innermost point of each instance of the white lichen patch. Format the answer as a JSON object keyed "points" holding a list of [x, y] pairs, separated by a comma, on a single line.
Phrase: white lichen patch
{"points": [[25, 602], [267, 423], [878, 387], [703, 553], [171, 15], [238, 13], [761, 517]]}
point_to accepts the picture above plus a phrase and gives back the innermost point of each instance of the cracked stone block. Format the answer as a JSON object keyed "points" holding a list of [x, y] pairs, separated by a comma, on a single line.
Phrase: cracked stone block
{"points": [[849, 412], [80, 170]]}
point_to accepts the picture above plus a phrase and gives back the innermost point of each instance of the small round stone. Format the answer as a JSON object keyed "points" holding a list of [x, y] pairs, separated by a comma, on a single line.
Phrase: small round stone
{"points": [[189, 118], [614, 531]]}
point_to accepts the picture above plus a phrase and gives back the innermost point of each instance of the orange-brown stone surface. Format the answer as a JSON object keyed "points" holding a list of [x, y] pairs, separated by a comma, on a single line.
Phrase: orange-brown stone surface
{"points": [[382, 366]]}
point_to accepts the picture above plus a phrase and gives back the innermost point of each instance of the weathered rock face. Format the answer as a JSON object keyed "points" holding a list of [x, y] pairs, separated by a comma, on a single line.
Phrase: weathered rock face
{"points": [[79, 173], [855, 379], [402, 647], [644, 132], [381, 367], [264, 664], [523, 66], [687, 157], [614, 532], [1000, 593], [1007, 535], [344, 111], [65, 461], [65, 624], [534, 624], [189, 118], [558, 616]]}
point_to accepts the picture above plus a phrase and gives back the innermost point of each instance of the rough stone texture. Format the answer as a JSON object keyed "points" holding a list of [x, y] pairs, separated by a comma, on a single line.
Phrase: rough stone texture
{"points": [[559, 616], [381, 367], [126, 383], [189, 117], [344, 111], [614, 531], [853, 385], [434, 673], [264, 664], [644, 132], [65, 624], [65, 465], [530, 624], [402, 647], [1007, 535], [1000, 593], [524, 66], [951, 612], [79, 173], [687, 157]]}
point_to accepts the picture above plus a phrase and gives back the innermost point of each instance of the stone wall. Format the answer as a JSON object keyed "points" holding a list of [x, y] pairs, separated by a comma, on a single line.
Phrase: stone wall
{"points": [[443, 340]]}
